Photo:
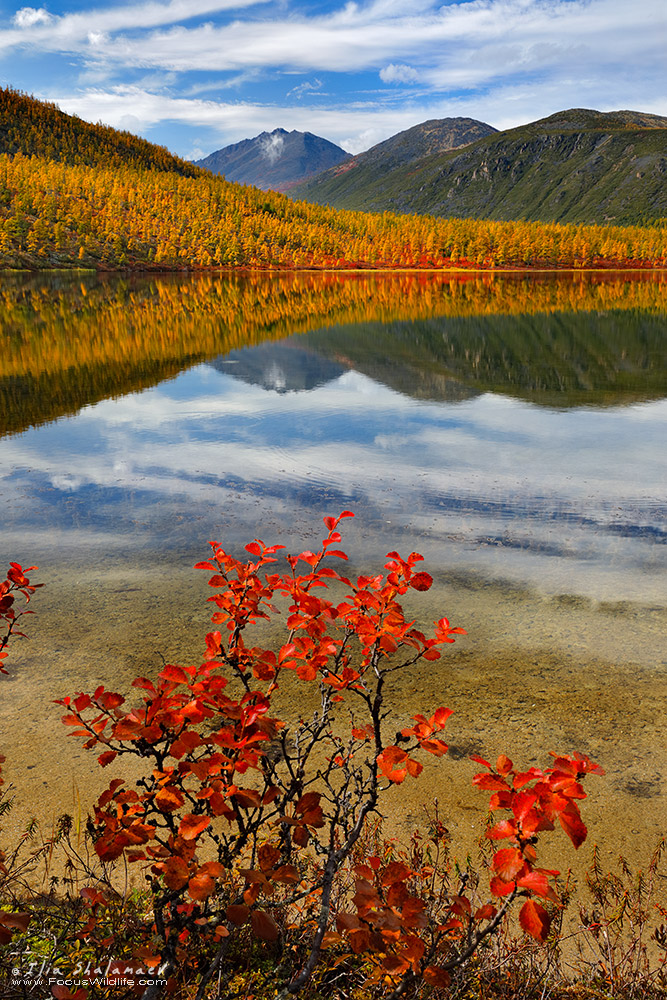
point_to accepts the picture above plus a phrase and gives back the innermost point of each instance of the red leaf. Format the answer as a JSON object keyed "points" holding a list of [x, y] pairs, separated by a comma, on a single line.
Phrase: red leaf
{"points": [[110, 700], [286, 874], [268, 856], [301, 836], [143, 682], [573, 825], [18, 921], [247, 798], [394, 964], [169, 798], [440, 717], [504, 765], [186, 742], [201, 886], [175, 674], [508, 863], [535, 920], [213, 868], [501, 888], [392, 763], [538, 882], [264, 926], [81, 702], [421, 581], [479, 760], [238, 914], [191, 826], [506, 828], [347, 922], [490, 782], [522, 804], [431, 654], [395, 871], [439, 978]]}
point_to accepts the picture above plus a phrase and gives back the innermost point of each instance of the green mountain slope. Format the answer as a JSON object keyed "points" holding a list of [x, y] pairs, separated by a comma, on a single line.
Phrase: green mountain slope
{"points": [[437, 135], [37, 128], [575, 166], [369, 169]]}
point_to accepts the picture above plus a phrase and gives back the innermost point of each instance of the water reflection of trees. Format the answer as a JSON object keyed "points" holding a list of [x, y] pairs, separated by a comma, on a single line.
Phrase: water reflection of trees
{"points": [[70, 342]]}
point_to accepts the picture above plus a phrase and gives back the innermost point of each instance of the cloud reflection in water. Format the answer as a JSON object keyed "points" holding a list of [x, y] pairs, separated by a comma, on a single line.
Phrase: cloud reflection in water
{"points": [[558, 500]]}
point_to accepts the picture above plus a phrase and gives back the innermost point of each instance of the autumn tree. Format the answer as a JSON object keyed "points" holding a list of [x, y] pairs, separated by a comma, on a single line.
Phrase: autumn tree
{"points": [[247, 822]]}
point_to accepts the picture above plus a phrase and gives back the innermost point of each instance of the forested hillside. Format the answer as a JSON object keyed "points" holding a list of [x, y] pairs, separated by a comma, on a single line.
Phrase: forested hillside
{"points": [[577, 166], [280, 160], [37, 128], [134, 214]]}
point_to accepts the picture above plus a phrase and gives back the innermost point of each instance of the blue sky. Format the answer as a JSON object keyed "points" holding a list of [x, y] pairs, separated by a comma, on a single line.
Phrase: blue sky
{"points": [[196, 75]]}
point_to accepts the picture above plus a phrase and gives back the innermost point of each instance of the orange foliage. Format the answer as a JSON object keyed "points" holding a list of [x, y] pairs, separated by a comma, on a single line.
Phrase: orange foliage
{"points": [[230, 797], [55, 213]]}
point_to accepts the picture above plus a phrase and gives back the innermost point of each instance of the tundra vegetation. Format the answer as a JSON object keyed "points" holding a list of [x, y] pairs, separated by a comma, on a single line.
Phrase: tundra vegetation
{"points": [[80, 195], [257, 840]]}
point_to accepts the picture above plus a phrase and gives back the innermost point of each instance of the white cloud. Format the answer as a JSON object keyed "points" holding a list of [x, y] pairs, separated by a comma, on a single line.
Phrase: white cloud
{"points": [[305, 88], [196, 152], [399, 74], [69, 32], [97, 38], [272, 147], [26, 17], [508, 454], [489, 37], [503, 61], [354, 127]]}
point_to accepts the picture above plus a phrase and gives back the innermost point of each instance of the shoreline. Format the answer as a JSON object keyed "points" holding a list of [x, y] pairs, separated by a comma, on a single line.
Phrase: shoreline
{"points": [[551, 688], [243, 269]]}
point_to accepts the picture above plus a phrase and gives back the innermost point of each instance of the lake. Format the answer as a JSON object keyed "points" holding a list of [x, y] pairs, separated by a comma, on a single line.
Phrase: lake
{"points": [[510, 428]]}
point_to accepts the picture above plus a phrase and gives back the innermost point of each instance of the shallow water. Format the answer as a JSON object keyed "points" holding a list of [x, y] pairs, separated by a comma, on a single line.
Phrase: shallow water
{"points": [[510, 429]]}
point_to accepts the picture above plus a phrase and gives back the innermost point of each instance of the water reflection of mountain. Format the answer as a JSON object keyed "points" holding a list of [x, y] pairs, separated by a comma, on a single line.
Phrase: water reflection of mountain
{"points": [[562, 341], [289, 366], [562, 360], [282, 367]]}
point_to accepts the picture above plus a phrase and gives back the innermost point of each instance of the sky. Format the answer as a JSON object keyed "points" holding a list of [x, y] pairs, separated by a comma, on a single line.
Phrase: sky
{"points": [[197, 75]]}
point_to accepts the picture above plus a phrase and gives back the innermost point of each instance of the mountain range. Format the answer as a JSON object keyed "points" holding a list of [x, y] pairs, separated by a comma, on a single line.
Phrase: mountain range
{"points": [[74, 194], [274, 160], [580, 165]]}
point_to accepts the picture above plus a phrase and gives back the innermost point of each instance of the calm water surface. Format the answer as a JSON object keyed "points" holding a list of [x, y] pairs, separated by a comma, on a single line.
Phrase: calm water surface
{"points": [[510, 429]]}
